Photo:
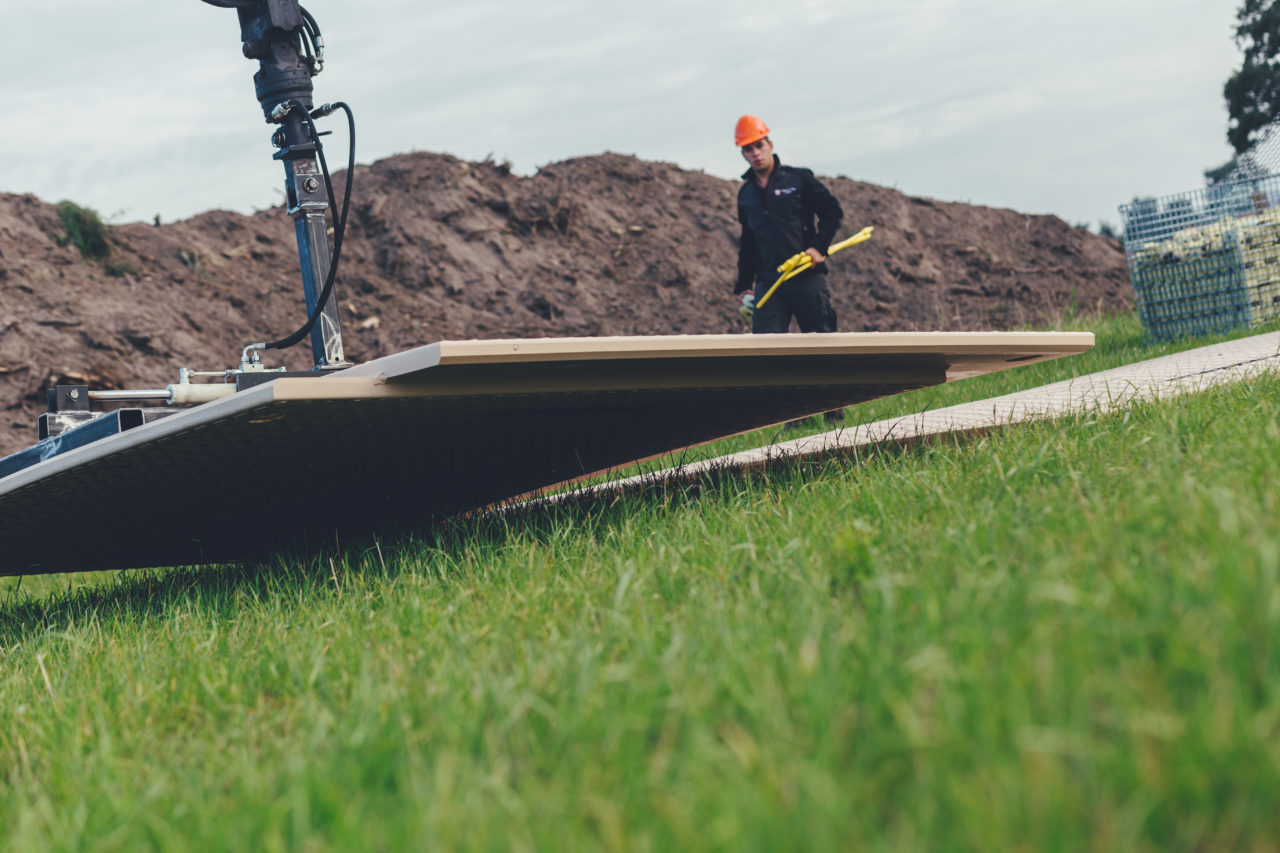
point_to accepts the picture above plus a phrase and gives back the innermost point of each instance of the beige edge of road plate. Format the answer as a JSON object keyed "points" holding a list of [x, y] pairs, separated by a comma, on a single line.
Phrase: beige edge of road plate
{"points": [[391, 444]]}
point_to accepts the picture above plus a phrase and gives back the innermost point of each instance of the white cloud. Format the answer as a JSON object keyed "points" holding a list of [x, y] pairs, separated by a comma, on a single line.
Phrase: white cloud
{"points": [[1051, 105]]}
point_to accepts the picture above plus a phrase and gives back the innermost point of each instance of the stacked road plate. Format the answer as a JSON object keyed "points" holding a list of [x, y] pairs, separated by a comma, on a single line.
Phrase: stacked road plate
{"points": [[395, 443]]}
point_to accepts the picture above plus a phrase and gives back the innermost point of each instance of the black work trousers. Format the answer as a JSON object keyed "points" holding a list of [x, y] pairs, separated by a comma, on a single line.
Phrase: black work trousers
{"points": [[804, 297]]}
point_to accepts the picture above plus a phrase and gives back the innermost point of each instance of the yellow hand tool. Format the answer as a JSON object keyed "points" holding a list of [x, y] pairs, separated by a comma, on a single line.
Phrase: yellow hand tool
{"points": [[797, 264]]}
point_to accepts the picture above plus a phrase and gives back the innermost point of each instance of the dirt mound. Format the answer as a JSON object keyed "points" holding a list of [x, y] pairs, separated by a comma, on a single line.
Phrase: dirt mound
{"points": [[441, 248]]}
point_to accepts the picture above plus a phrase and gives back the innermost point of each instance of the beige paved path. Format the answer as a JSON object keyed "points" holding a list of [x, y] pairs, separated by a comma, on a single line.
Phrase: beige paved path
{"points": [[1167, 376]]}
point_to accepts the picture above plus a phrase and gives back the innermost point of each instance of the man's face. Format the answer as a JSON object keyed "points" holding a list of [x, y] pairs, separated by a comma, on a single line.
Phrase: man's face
{"points": [[759, 154]]}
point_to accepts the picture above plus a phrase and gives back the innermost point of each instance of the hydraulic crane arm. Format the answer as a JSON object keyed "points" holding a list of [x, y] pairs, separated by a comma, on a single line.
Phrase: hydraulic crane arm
{"points": [[285, 40]]}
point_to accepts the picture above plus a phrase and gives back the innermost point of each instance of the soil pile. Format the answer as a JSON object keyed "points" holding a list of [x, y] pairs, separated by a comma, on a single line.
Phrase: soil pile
{"points": [[441, 248]]}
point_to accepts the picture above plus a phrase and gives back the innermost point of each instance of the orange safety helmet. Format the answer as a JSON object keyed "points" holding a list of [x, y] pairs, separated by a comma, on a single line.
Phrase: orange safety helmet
{"points": [[750, 129]]}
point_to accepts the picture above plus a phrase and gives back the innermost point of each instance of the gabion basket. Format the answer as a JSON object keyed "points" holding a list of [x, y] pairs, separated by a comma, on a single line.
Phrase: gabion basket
{"points": [[1207, 261]]}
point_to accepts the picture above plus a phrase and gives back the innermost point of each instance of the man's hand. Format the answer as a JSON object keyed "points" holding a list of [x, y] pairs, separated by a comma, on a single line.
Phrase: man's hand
{"points": [[748, 308], [815, 256]]}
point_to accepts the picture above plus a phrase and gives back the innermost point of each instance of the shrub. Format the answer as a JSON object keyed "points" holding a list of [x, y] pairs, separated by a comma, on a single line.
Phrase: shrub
{"points": [[84, 230]]}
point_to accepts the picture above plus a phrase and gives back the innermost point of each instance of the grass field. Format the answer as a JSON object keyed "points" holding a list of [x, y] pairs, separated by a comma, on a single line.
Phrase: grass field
{"points": [[1058, 637]]}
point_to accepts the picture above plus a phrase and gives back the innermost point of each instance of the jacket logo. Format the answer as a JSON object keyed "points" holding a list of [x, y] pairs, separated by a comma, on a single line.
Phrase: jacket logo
{"points": [[784, 191]]}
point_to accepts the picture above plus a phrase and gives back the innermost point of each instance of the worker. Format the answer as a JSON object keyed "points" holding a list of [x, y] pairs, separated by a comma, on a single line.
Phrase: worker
{"points": [[777, 206]]}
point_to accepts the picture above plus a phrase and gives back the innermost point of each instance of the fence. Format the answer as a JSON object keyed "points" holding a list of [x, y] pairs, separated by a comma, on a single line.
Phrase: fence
{"points": [[1205, 261]]}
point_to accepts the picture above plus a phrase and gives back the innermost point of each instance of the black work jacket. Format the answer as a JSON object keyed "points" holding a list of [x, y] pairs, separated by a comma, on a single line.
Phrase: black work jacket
{"points": [[778, 221]]}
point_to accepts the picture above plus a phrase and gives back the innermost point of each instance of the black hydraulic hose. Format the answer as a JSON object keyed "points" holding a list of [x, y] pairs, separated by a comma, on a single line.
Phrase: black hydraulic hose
{"points": [[339, 222], [310, 27]]}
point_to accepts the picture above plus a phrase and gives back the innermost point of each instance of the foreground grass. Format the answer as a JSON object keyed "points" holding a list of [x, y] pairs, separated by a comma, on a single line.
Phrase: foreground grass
{"points": [[1059, 637]]}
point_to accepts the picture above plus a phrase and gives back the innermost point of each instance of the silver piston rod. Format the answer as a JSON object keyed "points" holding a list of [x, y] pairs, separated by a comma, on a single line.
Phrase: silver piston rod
{"points": [[129, 396], [182, 393]]}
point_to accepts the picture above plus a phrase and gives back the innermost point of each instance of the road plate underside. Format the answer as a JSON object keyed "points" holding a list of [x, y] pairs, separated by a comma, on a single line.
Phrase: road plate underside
{"points": [[394, 443]]}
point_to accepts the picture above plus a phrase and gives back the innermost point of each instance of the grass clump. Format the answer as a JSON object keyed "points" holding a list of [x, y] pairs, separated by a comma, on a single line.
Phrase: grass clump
{"points": [[84, 229]]}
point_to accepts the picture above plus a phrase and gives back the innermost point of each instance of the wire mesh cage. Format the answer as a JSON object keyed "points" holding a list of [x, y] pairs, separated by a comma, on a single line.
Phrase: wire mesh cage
{"points": [[1208, 261]]}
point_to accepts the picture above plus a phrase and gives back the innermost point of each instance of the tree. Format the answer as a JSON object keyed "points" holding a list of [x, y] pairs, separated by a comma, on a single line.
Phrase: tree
{"points": [[1221, 173], [1253, 92]]}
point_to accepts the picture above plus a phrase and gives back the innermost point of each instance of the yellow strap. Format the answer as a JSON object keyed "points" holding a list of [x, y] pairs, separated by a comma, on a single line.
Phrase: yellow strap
{"points": [[797, 264]]}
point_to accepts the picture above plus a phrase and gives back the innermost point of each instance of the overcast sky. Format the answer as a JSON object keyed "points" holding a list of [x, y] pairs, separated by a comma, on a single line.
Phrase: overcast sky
{"points": [[138, 107]]}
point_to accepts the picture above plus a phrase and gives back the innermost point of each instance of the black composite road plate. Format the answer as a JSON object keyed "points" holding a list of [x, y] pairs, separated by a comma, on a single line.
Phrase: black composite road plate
{"points": [[396, 443]]}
